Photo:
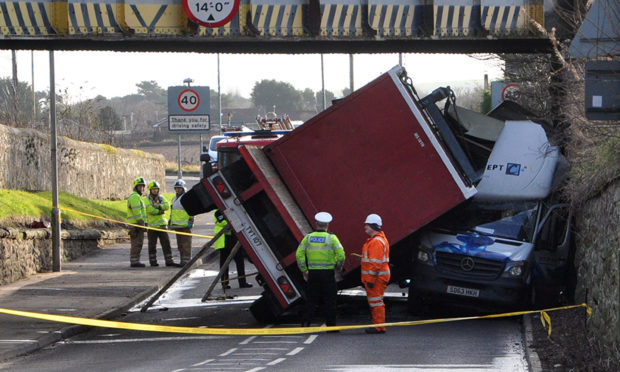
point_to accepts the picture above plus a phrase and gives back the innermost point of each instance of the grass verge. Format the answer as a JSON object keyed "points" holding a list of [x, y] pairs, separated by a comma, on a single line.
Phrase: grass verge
{"points": [[20, 208]]}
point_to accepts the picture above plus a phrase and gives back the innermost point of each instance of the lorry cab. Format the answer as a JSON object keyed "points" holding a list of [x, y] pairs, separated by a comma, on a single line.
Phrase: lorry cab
{"points": [[510, 241]]}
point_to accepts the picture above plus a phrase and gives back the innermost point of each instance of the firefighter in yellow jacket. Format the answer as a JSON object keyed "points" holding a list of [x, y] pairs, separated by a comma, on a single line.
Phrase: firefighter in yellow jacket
{"points": [[136, 214], [181, 221], [318, 255], [156, 208], [224, 245]]}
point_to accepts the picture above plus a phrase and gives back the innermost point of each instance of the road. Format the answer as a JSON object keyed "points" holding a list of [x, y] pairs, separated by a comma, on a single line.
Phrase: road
{"points": [[476, 345]]}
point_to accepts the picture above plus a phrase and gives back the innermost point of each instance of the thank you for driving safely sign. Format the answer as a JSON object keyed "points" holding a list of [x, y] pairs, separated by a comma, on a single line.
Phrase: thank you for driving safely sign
{"points": [[211, 13], [188, 108]]}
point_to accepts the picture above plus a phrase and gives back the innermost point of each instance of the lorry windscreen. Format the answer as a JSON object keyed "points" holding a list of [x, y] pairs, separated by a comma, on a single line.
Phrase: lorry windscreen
{"points": [[227, 155], [516, 222]]}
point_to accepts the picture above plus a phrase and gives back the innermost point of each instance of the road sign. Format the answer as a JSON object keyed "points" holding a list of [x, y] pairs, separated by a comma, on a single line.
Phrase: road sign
{"points": [[189, 108], [188, 100], [211, 13], [188, 122]]}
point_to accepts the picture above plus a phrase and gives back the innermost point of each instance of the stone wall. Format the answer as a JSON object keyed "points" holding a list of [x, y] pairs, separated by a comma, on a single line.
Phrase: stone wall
{"points": [[90, 170], [597, 260], [24, 252]]}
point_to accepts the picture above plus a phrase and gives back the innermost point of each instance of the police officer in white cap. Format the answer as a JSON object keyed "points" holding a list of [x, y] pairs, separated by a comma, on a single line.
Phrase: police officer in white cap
{"points": [[318, 255]]}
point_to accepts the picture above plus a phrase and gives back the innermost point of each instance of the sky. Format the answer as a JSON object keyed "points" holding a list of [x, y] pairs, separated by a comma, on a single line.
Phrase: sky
{"points": [[86, 74]]}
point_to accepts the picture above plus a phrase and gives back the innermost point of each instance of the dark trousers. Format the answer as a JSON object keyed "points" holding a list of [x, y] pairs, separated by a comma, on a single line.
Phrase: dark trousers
{"points": [[322, 289], [152, 236], [136, 236], [229, 243]]}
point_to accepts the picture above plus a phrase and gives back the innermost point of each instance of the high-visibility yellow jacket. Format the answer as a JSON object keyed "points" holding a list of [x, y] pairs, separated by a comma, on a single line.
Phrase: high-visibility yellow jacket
{"points": [[179, 218], [156, 214], [135, 208], [219, 225], [319, 250], [376, 259]]}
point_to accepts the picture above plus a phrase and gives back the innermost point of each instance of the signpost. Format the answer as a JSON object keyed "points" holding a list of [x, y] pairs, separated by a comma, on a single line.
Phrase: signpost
{"points": [[188, 112]]}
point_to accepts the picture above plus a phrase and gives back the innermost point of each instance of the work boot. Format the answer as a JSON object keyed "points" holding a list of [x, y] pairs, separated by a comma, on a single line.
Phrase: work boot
{"points": [[225, 286], [245, 285], [173, 264], [137, 264], [154, 263], [374, 331]]}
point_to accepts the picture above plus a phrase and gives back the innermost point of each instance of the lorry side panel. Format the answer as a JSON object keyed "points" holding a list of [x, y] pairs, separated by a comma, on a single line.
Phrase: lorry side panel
{"points": [[372, 152]]}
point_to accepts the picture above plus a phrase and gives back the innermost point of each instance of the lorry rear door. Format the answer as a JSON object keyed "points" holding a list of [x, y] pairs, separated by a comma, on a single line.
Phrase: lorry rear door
{"points": [[265, 219]]}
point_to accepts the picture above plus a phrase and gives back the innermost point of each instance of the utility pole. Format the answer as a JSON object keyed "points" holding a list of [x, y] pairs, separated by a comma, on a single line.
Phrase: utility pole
{"points": [[351, 73], [15, 83], [323, 83], [56, 256]]}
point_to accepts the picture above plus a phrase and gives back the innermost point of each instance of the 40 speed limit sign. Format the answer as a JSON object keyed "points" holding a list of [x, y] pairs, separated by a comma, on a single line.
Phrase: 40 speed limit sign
{"points": [[188, 100], [211, 13]]}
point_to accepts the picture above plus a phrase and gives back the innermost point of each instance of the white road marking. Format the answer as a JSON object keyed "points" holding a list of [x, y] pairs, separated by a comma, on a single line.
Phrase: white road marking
{"points": [[17, 341], [152, 339], [295, 351], [310, 339], [202, 363], [255, 369], [229, 352], [275, 342], [276, 361], [247, 340]]}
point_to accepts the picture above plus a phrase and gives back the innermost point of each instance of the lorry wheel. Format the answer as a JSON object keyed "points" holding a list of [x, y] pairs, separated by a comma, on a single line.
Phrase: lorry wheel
{"points": [[415, 302], [262, 311]]}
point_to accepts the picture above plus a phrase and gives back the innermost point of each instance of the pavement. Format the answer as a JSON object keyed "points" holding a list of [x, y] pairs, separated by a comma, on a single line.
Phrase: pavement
{"points": [[100, 285]]}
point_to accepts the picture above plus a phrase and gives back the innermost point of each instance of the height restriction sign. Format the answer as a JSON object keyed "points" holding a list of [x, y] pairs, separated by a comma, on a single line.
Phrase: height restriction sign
{"points": [[211, 13]]}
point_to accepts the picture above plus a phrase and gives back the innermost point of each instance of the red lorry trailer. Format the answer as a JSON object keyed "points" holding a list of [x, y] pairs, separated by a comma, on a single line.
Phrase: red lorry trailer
{"points": [[376, 151]]}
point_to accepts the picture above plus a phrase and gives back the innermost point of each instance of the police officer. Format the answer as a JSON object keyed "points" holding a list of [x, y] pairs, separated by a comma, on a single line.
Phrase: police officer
{"points": [[136, 214], [375, 269], [181, 221], [156, 207], [318, 255], [225, 244]]}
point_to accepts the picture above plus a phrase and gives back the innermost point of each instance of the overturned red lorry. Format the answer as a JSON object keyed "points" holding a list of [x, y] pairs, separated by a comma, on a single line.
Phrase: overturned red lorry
{"points": [[380, 150]]}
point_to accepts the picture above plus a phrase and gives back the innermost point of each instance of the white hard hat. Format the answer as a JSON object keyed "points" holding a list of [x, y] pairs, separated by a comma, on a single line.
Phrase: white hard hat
{"points": [[323, 217], [374, 218]]}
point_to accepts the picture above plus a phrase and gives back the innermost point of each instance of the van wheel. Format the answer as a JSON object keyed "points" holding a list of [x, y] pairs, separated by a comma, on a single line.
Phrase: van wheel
{"points": [[262, 310], [415, 302]]}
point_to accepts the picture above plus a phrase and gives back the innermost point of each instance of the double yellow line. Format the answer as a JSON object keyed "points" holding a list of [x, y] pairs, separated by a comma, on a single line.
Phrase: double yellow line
{"points": [[545, 319]]}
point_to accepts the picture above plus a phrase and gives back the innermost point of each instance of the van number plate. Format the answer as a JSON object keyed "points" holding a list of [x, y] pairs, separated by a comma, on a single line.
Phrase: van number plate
{"points": [[463, 291]]}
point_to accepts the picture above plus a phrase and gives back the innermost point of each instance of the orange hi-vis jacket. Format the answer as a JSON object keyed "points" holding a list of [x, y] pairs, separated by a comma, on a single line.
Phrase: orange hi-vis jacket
{"points": [[376, 259]]}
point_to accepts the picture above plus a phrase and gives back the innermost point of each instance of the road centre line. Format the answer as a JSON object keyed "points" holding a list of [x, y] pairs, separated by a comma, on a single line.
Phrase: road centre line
{"points": [[276, 361], [229, 352], [152, 339], [275, 342], [17, 341], [255, 369], [255, 354], [310, 339], [295, 351], [202, 363], [247, 340]]}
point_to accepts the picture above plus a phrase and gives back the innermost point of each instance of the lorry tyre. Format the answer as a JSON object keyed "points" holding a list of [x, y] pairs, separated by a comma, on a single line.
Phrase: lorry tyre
{"points": [[262, 310], [415, 302]]}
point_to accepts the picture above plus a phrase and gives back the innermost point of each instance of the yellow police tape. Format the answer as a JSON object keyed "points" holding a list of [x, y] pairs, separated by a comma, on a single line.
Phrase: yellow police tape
{"points": [[134, 225], [267, 331]]}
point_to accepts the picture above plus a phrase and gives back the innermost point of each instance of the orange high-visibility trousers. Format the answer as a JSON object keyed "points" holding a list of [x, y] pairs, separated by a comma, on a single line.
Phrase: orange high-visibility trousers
{"points": [[375, 301]]}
